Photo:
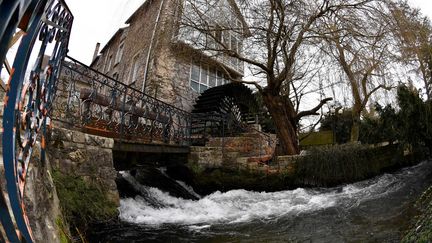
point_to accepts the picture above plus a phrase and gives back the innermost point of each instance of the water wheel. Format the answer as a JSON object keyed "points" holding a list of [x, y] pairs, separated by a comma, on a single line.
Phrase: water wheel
{"points": [[223, 111]]}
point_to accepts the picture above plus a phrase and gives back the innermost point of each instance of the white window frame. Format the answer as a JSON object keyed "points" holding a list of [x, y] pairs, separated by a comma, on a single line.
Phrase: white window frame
{"points": [[134, 69], [110, 59], [193, 80], [119, 54], [218, 75]]}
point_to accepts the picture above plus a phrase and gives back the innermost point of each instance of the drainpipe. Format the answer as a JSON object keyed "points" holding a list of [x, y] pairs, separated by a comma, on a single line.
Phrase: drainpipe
{"points": [[151, 47]]}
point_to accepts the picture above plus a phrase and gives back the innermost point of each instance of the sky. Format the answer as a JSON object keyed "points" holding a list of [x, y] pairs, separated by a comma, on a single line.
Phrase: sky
{"points": [[97, 20]]}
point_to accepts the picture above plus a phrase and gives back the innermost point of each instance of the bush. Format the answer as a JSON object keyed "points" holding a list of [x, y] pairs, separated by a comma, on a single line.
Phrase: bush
{"points": [[333, 165], [383, 128], [340, 124], [415, 118]]}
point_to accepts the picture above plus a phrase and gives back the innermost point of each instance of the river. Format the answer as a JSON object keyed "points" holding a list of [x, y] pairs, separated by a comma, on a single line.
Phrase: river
{"points": [[374, 210]]}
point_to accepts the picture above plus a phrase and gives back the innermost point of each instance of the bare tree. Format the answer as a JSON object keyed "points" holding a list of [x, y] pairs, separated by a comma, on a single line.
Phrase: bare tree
{"points": [[359, 40], [413, 33], [280, 50]]}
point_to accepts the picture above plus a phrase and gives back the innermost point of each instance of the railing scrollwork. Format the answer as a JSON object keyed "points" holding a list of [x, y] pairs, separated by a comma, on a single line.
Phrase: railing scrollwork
{"points": [[29, 94], [100, 105]]}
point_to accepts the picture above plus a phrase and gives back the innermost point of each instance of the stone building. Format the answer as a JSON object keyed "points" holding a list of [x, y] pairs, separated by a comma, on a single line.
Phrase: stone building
{"points": [[159, 53]]}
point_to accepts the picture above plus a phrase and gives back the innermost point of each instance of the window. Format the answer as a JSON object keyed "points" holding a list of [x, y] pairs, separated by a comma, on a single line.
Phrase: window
{"points": [[109, 63], [212, 79], [202, 77], [119, 53], [219, 78], [195, 77], [134, 70], [234, 43]]}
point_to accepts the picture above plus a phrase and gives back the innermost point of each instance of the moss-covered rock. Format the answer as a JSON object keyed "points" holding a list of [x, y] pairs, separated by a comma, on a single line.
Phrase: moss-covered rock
{"points": [[83, 202]]}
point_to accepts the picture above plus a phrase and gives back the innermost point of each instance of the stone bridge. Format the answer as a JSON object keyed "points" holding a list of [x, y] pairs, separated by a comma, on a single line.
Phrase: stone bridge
{"points": [[143, 129]]}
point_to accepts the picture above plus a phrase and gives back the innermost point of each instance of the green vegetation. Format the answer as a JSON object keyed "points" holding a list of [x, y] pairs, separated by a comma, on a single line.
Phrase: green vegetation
{"points": [[82, 202], [340, 124], [333, 165], [61, 228], [421, 231], [316, 138], [411, 125], [323, 166]]}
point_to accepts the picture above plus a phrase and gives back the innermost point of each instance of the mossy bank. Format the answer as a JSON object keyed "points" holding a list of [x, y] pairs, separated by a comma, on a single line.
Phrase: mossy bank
{"points": [[84, 177]]}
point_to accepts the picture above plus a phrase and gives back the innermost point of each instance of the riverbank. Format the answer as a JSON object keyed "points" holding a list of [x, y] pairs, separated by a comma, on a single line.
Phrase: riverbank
{"points": [[326, 166], [421, 227]]}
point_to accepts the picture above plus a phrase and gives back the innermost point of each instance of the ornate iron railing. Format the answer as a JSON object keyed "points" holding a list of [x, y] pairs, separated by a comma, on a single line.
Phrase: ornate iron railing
{"points": [[101, 105], [29, 93]]}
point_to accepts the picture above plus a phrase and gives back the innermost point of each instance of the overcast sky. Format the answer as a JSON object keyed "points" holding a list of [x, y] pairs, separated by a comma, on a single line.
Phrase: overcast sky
{"points": [[97, 20]]}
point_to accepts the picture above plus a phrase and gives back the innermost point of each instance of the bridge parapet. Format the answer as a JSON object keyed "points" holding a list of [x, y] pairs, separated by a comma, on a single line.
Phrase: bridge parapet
{"points": [[100, 105]]}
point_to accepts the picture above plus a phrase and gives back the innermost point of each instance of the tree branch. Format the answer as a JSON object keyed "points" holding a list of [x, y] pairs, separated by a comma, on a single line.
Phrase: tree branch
{"points": [[312, 111]]}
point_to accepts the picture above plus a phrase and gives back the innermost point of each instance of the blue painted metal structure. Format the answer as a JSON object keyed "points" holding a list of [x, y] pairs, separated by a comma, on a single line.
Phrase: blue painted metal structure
{"points": [[29, 96]]}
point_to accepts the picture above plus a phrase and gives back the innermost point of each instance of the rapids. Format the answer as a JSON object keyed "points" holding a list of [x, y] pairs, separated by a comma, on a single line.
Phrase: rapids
{"points": [[375, 210]]}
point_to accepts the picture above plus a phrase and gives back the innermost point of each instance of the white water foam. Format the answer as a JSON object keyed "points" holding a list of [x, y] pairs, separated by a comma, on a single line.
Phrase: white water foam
{"points": [[238, 206]]}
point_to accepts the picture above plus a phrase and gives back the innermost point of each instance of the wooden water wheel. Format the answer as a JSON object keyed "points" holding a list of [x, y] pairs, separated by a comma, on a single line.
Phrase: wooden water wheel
{"points": [[223, 111]]}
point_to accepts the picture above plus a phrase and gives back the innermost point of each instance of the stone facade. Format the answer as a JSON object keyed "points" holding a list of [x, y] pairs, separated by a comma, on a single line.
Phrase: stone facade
{"points": [[164, 73]]}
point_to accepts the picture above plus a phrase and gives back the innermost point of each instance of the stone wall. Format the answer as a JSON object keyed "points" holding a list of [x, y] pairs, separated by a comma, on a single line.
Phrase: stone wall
{"points": [[41, 201], [88, 156], [247, 151]]}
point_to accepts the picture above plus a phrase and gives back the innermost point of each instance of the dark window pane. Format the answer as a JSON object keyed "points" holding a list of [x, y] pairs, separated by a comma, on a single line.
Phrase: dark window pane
{"points": [[226, 80], [212, 79], [219, 78], [234, 43], [195, 86], [203, 88], [195, 73], [204, 74]]}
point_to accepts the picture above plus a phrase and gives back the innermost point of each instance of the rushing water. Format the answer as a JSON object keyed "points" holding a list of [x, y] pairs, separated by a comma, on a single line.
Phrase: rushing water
{"points": [[375, 210]]}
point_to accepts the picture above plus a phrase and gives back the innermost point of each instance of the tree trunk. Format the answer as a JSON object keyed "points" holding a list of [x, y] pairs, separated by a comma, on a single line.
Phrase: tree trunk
{"points": [[284, 120], [355, 128]]}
